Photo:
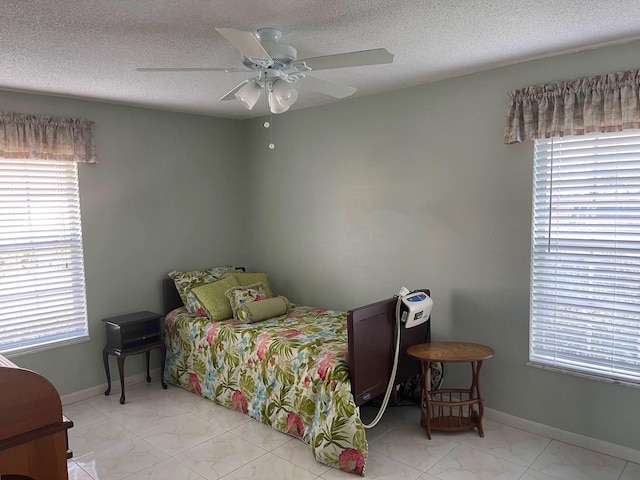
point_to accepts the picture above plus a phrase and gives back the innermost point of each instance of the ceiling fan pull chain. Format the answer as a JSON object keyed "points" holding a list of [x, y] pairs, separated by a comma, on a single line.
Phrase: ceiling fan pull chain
{"points": [[268, 123], [271, 144]]}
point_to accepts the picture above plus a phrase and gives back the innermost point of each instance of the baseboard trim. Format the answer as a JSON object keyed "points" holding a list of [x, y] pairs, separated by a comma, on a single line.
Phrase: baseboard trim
{"points": [[607, 448], [618, 451], [115, 387]]}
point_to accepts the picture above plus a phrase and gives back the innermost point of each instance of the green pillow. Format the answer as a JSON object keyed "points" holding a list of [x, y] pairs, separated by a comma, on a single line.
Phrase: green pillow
{"points": [[212, 298], [249, 278], [186, 280], [263, 309]]}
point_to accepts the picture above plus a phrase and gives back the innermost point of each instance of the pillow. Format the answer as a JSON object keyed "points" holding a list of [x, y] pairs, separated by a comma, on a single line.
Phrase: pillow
{"points": [[213, 299], [264, 309], [249, 278], [185, 281], [245, 294]]}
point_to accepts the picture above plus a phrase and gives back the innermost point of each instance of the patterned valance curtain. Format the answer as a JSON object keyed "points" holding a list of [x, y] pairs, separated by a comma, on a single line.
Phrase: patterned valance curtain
{"points": [[46, 138], [605, 103]]}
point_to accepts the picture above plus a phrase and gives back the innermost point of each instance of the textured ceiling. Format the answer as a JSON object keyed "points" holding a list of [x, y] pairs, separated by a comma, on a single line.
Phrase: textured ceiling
{"points": [[91, 48]]}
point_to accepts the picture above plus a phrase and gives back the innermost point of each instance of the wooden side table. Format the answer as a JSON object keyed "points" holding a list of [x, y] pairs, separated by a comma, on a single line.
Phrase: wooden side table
{"points": [[131, 334], [451, 409]]}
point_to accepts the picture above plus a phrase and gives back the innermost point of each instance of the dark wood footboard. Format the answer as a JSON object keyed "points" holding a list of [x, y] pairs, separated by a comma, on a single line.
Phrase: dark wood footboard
{"points": [[372, 348]]}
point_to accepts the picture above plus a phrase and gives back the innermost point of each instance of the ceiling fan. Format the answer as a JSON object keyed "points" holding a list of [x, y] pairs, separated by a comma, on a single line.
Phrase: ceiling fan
{"points": [[279, 70]]}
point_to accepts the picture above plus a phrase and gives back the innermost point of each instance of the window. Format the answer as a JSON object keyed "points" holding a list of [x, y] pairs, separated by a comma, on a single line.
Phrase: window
{"points": [[42, 289], [585, 269]]}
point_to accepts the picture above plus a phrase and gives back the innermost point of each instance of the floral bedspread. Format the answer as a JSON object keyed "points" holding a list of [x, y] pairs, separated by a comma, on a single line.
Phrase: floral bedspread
{"points": [[288, 372]]}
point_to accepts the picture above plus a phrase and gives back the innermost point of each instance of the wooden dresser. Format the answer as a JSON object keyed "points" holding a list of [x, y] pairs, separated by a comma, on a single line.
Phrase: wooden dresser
{"points": [[33, 431]]}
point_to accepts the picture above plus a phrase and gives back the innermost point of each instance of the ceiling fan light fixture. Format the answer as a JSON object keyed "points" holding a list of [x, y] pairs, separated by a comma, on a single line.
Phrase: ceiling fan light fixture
{"points": [[283, 91], [249, 94], [275, 106]]}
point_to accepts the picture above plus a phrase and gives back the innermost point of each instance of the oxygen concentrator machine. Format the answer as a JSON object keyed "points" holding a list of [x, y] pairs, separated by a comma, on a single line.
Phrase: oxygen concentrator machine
{"points": [[416, 307]]}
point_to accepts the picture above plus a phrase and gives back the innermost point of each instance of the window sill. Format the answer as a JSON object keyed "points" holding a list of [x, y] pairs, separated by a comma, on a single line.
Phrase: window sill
{"points": [[588, 376], [48, 346]]}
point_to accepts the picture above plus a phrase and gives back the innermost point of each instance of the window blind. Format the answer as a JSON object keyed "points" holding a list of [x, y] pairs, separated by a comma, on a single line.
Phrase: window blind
{"points": [[585, 262], [42, 288]]}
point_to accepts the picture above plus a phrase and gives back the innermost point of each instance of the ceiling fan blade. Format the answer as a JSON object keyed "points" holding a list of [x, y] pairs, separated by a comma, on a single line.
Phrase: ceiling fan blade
{"points": [[231, 95], [246, 42], [193, 69], [325, 86], [351, 59]]}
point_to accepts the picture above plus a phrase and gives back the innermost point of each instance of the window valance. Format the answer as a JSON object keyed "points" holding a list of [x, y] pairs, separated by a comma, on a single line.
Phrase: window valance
{"points": [[46, 138], [604, 103]]}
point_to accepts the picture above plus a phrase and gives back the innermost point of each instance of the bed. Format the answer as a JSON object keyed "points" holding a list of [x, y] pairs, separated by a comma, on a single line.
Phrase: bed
{"points": [[292, 372]]}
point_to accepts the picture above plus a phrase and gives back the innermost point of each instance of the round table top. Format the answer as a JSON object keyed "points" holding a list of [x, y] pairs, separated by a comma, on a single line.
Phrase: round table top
{"points": [[450, 352]]}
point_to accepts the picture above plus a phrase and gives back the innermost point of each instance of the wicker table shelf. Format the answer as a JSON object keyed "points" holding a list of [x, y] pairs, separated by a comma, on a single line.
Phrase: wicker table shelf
{"points": [[456, 408]]}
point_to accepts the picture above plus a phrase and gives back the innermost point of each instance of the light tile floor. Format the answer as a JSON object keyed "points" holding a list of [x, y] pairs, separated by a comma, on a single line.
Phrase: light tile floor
{"points": [[175, 434]]}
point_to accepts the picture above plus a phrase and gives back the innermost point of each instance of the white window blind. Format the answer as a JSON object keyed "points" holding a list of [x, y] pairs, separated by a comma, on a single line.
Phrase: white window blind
{"points": [[42, 288], [585, 271]]}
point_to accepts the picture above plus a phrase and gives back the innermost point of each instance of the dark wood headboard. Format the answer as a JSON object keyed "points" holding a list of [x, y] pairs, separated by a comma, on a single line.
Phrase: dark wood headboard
{"points": [[170, 295]]}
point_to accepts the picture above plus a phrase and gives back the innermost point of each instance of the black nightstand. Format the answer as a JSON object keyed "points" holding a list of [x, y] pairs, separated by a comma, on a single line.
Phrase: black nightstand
{"points": [[131, 334]]}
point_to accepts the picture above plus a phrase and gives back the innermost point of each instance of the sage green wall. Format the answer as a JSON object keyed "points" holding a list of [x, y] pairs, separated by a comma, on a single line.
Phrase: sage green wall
{"points": [[157, 200], [416, 188], [358, 198]]}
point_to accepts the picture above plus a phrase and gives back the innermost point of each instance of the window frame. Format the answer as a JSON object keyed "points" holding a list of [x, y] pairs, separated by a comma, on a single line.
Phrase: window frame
{"points": [[41, 245], [558, 308]]}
